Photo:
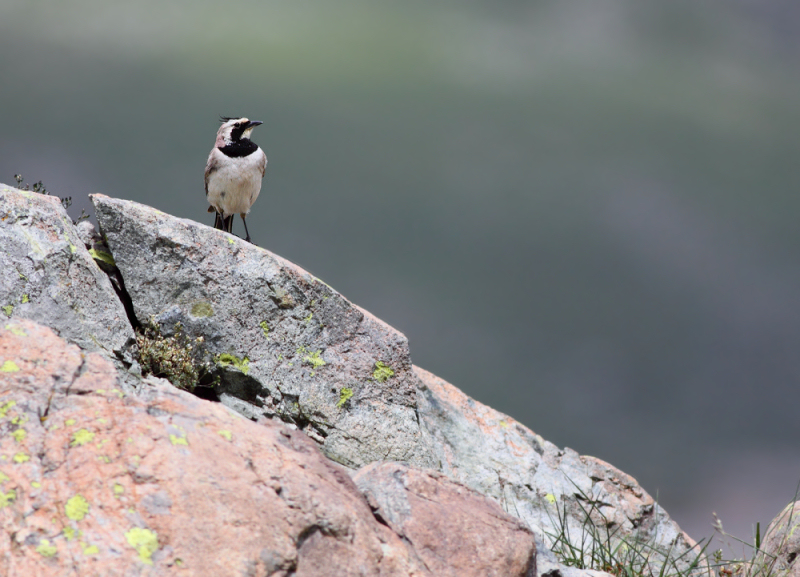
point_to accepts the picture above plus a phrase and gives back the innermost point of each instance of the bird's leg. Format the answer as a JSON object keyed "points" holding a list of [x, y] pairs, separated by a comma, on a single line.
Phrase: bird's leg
{"points": [[218, 221], [247, 233], [228, 224]]}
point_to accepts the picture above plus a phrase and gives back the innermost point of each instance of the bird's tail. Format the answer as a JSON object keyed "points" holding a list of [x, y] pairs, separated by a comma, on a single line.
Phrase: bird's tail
{"points": [[223, 223]]}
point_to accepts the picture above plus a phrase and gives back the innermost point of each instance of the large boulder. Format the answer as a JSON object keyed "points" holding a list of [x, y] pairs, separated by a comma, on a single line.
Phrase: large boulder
{"points": [[47, 275], [282, 343], [94, 482]]}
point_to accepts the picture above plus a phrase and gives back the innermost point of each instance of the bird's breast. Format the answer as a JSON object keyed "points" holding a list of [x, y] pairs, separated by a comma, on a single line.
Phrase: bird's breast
{"points": [[234, 186]]}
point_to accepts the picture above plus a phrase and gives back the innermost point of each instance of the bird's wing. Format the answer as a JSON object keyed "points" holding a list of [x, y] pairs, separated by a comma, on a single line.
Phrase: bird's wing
{"points": [[263, 163], [211, 166]]}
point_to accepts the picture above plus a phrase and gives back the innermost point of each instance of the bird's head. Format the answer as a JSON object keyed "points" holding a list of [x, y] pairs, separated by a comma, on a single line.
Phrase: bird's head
{"points": [[234, 130]]}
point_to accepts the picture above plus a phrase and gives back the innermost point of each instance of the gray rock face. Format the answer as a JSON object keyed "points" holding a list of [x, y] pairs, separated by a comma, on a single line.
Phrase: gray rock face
{"points": [[47, 275], [283, 343], [536, 481]]}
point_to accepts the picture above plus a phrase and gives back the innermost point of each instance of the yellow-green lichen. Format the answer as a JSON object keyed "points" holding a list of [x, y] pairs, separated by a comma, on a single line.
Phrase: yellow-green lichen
{"points": [[5, 407], [225, 434], [19, 435], [89, 549], [344, 395], [311, 358], [3, 477], [176, 440], [144, 541], [16, 330], [309, 317], [7, 498], [36, 484], [69, 422], [382, 372], [24, 299], [8, 309], [229, 360], [19, 420], [9, 367], [76, 507], [202, 309], [550, 498], [119, 490], [231, 241], [81, 437], [104, 458], [264, 328], [21, 458], [102, 256], [45, 549], [70, 533], [503, 423]]}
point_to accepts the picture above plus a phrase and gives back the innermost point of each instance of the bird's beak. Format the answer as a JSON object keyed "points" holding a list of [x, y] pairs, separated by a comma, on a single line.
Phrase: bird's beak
{"points": [[253, 123]]}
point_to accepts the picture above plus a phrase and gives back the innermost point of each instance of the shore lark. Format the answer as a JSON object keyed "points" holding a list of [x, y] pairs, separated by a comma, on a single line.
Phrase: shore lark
{"points": [[234, 171]]}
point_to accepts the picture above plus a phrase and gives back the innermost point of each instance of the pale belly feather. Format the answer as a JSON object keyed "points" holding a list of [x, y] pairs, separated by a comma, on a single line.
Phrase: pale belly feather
{"points": [[234, 187]]}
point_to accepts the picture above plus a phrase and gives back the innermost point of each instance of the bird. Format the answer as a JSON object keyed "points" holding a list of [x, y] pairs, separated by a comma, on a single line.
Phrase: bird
{"points": [[234, 171]]}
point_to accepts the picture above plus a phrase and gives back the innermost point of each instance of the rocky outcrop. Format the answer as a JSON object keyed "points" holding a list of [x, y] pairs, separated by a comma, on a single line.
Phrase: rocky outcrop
{"points": [[48, 275], [282, 348], [95, 482], [284, 343]]}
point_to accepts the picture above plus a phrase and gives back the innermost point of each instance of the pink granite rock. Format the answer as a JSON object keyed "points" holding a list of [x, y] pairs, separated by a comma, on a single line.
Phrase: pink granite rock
{"points": [[455, 531], [93, 482]]}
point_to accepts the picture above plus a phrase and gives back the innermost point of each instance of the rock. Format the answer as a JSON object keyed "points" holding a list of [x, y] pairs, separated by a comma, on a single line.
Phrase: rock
{"points": [[94, 482], [537, 482], [454, 530], [47, 275], [87, 233], [781, 545], [548, 565], [283, 343]]}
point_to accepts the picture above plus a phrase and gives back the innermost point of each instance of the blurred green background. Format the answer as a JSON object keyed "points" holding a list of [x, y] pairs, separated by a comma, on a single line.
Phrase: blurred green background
{"points": [[580, 213]]}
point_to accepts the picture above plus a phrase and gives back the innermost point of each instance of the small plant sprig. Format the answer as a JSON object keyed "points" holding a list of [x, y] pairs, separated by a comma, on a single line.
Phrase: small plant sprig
{"points": [[38, 187], [598, 545], [171, 357]]}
